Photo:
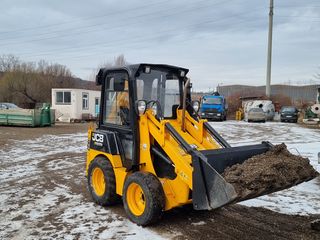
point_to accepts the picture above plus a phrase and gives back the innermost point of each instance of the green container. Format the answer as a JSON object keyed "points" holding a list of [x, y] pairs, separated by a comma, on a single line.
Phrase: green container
{"points": [[27, 117], [47, 115]]}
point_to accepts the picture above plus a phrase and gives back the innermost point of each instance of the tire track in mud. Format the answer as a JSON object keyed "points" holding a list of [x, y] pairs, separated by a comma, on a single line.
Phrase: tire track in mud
{"points": [[237, 222], [73, 168]]}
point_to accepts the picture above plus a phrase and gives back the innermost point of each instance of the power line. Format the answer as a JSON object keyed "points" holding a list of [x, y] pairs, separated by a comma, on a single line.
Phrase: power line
{"points": [[140, 39], [293, 6], [295, 16], [68, 34], [123, 13], [135, 44], [86, 18]]}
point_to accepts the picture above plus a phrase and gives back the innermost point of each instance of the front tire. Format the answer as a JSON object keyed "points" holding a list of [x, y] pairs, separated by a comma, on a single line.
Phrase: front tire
{"points": [[102, 182], [143, 198]]}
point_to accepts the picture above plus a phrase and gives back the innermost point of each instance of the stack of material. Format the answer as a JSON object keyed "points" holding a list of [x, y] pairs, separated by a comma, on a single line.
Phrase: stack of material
{"points": [[272, 171]]}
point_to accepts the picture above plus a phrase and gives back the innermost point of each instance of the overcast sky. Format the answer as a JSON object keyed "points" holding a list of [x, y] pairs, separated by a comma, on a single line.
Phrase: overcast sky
{"points": [[220, 41]]}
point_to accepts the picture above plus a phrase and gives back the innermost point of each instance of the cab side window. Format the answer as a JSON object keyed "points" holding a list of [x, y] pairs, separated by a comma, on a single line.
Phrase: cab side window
{"points": [[117, 109]]}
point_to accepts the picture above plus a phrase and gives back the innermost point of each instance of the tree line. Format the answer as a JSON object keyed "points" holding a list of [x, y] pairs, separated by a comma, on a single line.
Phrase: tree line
{"points": [[29, 83]]}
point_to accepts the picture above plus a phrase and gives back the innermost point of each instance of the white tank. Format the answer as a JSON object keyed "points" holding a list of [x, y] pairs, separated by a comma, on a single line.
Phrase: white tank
{"points": [[316, 108], [266, 105]]}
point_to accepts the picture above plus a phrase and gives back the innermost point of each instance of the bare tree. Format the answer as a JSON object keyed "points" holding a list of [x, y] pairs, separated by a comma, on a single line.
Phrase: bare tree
{"points": [[317, 75], [29, 82], [118, 61], [8, 63]]}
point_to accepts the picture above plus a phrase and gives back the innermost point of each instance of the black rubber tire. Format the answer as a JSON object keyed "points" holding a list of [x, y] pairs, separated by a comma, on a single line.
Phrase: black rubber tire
{"points": [[110, 196], [154, 198]]}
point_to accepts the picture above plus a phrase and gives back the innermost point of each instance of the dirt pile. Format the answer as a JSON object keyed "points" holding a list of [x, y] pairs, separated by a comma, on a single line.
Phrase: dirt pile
{"points": [[274, 170]]}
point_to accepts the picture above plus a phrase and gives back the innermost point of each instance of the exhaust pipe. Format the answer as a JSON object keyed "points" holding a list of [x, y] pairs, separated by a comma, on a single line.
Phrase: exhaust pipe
{"points": [[184, 104]]}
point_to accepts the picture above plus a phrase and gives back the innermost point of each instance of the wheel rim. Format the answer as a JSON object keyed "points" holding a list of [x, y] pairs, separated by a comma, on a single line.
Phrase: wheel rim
{"points": [[98, 182], [136, 199]]}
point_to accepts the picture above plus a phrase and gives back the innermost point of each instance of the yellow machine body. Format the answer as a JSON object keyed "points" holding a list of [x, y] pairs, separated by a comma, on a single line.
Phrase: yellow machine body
{"points": [[152, 149], [177, 191]]}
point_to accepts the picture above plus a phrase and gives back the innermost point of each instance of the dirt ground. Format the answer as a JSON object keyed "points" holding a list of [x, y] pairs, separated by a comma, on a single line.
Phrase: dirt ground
{"points": [[43, 195], [23, 133], [236, 222]]}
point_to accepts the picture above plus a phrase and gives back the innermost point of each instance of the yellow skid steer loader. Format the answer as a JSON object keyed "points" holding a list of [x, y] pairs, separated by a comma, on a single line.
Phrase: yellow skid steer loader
{"points": [[152, 149]]}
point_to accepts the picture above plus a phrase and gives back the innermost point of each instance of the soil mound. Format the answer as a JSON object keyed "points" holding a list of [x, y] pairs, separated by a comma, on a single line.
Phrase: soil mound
{"points": [[274, 170]]}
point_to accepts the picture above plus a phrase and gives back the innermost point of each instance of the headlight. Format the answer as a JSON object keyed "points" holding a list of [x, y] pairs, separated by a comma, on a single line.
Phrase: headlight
{"points": [[196, 106], [219, 114], [202, 114], [141, 106], [147, 69], [182, 73], [154, 109]]}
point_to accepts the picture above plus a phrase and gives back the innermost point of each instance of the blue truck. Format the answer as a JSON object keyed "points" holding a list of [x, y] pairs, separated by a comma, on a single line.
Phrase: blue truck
{"points": [[214, 107]]}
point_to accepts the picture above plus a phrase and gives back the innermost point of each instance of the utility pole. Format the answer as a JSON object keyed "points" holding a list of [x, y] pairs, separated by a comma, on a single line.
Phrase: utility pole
{"points": [[268, 87]]}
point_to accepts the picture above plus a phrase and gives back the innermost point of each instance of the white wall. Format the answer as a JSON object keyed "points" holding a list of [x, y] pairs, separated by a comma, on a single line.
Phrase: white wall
{"points": [[91, 105], [66, 112]]}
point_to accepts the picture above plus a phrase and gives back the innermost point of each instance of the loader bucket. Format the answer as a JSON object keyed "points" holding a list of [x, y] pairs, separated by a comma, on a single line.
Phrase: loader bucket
{"points": [[210, 190]]}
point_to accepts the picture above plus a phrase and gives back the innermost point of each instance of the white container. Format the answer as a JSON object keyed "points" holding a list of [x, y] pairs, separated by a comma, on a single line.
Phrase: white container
{"points": [[70, 103], [266, 105]]}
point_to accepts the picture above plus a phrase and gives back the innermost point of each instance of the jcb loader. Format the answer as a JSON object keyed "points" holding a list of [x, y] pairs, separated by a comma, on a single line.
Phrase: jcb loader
{"points": [[152, 149]]}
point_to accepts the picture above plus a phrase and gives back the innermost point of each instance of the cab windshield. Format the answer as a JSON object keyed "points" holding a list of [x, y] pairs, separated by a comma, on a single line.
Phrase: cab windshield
{"points": [[207, 100], [163, 86], [288, 109]]}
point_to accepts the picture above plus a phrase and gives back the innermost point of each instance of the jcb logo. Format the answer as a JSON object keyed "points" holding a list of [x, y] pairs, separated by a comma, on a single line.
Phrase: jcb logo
{"points": [[96, 137]]}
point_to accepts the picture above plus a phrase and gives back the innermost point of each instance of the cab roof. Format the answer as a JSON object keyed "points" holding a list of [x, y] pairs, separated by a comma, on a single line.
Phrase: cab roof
{"points": [[132, 69]]}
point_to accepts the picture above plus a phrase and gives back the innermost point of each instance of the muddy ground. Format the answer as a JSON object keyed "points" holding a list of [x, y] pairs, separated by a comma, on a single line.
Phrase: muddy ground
{"points": [[43, 195]]}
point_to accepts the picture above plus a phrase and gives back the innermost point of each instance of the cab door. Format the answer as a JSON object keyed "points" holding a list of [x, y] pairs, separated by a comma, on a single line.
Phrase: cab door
{"points": [[116, 116]]}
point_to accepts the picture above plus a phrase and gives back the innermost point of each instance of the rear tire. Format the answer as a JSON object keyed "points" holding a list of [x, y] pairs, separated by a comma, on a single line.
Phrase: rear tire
{"points": [[102, 182], [143, 198]]}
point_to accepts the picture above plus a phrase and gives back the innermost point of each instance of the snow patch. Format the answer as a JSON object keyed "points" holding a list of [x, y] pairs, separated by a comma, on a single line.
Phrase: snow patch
{"points": [[198, 223]]}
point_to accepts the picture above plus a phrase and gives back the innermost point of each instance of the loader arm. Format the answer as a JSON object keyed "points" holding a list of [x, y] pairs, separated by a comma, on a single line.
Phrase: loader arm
{"points": [[199, 156], [181, 159], [182, 147]]}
